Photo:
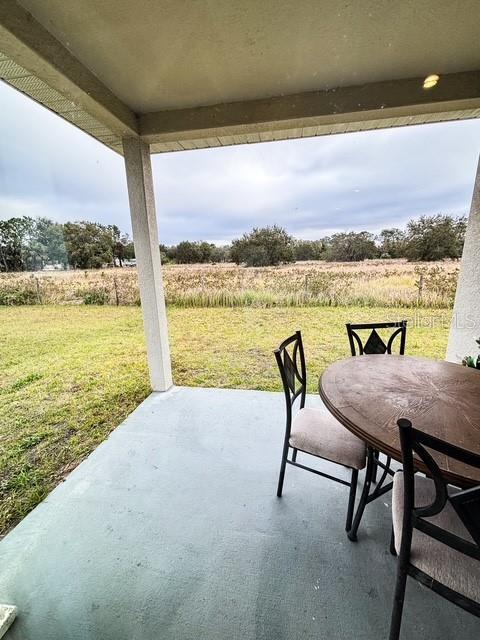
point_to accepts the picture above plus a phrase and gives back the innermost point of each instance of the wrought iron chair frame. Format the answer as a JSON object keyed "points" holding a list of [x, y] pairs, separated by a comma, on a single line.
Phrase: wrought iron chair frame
{"points": [[291, 374], [353, 337], [466, 504], [373, 456]]}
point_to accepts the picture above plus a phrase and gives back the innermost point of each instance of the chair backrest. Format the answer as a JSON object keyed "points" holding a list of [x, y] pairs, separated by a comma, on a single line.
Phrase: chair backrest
{"points": [[290, 358], [466, 503], [374, 343]]}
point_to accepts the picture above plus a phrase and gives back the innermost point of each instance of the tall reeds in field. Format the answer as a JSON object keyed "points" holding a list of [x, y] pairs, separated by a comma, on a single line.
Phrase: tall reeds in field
{"points": [[390, 283]]}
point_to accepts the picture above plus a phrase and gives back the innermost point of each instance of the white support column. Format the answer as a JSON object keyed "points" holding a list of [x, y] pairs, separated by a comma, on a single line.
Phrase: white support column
{"points": [[147, 254], [8, 613], [465, 327]]}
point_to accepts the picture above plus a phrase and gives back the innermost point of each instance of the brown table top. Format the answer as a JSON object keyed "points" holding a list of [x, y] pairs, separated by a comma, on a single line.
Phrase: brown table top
{"points": [[369, 393]]}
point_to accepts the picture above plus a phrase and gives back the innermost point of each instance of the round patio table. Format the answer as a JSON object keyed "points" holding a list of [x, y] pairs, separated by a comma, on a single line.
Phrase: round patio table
{"points": [[369, 393]]}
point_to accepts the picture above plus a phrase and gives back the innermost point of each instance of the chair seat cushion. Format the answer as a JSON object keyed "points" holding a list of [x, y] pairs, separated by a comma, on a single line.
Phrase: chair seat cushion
{"points": [[319, 433], [451, 568]]}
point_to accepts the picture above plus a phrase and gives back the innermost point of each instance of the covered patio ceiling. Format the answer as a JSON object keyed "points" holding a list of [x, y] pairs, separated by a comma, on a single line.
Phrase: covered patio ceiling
{"points": [[184, 75]]}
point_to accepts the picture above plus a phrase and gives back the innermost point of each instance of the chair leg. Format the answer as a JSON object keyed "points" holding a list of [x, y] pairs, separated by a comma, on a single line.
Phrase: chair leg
{"points": [[393, 551], [294, 455], [375, 466], [398, 601], [282, 470], [352, 534], [351, 499]]}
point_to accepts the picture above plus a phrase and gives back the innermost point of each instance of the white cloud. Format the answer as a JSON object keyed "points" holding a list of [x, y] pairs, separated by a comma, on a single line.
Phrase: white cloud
{"points": [[312, 186]]}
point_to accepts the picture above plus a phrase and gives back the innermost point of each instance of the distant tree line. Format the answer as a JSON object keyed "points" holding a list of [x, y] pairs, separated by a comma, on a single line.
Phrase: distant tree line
{"points": [[428, 238], [195, 252], [28, 244]]}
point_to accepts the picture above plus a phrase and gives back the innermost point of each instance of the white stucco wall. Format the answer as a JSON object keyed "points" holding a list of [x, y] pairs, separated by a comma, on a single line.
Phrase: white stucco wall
{"points": [[465, 327]]}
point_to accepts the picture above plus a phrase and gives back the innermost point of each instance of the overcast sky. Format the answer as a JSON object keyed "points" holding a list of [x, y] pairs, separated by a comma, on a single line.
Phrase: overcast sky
{"points": [[312, 187]]}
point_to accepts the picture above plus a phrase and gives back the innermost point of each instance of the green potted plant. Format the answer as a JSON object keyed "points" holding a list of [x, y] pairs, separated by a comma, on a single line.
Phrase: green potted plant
{"points": [[470, 361]]}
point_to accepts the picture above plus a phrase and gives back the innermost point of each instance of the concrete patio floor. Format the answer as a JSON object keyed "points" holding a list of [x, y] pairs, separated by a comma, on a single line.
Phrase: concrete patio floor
{"points": [[171, 530]]}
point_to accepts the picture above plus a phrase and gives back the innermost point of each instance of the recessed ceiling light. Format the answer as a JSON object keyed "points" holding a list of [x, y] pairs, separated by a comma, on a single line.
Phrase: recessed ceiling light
{"points": [[430, 81]]}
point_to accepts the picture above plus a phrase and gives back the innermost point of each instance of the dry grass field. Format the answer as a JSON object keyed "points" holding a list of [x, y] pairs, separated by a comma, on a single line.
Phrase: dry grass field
{"points": [[388, 283]]}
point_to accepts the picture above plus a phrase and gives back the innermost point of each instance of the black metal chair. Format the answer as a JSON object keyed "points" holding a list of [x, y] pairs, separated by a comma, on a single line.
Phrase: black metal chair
{"points": [[313, 431], [371, 345], [436, 527], [374, 343]]}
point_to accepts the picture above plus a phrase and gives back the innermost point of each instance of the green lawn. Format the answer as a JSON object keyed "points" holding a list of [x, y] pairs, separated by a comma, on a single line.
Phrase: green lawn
{"points": [[69, 375]]}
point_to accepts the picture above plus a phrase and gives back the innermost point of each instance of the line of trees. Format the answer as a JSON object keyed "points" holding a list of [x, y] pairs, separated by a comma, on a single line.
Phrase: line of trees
{"points": [[194, 252], [28, 244], [428, 238]]}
